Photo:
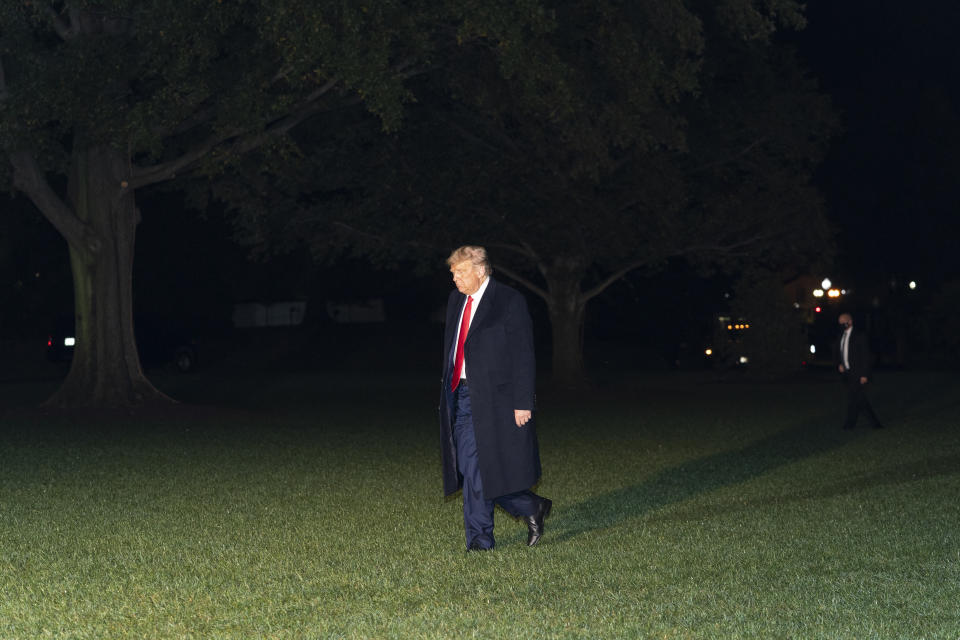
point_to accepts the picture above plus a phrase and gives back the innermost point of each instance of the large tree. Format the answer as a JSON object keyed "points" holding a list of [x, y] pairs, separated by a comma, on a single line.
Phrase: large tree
{"points": [[625, 135], [102, 98]]}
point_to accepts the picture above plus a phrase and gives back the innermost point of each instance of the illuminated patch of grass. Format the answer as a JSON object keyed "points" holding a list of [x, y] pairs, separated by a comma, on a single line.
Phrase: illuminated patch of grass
{"points": [[310, 509]]}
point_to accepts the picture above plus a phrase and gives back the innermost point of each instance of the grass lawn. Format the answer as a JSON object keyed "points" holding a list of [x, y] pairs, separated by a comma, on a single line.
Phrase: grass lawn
{"points": [[294, 505]]}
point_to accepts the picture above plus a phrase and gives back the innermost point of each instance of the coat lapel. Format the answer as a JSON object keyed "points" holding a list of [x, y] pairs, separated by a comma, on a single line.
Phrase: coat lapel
{"points": [[485, 305], [450, 331]]}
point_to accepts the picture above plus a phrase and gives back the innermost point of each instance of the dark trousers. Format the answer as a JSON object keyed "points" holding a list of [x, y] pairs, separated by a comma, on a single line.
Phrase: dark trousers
{"points": [[478, 511], [857, 402]]}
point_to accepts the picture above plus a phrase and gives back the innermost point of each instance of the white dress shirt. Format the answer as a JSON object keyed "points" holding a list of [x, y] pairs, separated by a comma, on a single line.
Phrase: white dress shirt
{"points": [[845, 348], [473, 311]]}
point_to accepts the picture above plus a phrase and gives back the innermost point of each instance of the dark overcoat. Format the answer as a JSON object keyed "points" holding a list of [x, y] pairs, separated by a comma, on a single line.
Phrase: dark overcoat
{"points": [[501, 369], [858, 353]]}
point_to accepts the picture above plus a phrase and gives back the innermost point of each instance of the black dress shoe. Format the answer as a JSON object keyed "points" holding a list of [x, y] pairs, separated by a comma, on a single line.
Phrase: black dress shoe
{"points": [[475, 546], [535, 522]]}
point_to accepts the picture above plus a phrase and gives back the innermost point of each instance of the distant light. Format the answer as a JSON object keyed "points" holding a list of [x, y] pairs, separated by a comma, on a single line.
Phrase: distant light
{"points": [[37, 275], [743, 360], [817, 309], [708, 352], [813, 348], [796, 305], [69, 342], [826, 283], [49, 341], [833, 293], [729, 327], [913, 284], [746, 326], [818, 293], [843, 292]]}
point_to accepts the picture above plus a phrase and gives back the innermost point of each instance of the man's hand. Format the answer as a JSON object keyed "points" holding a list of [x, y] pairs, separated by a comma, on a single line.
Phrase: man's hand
{"points": [[840, 368], [863, 379], [522, 416]]}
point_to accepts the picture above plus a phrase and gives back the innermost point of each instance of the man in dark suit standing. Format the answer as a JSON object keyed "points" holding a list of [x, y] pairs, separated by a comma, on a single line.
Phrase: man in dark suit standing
{"points": [[853, 363], [486, 407]]}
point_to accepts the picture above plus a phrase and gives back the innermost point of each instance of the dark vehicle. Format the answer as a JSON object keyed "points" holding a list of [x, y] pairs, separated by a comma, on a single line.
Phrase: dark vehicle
{"points": [[159, 342]]}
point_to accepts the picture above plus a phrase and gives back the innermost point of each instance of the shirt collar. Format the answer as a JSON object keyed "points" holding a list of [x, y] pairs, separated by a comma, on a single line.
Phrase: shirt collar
{"points": [[476, 295]]}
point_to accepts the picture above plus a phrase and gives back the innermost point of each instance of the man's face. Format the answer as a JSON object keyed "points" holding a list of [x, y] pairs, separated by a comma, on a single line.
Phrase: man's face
{"points": [[845, 320], [467, 277]]}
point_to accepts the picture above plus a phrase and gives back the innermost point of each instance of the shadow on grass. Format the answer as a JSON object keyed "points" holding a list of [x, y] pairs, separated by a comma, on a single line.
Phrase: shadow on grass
{"points": [[884, 476], [918, 398], [688, 480]]}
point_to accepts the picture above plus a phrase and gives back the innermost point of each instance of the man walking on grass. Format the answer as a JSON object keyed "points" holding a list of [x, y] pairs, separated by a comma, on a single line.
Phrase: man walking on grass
{"points": [[487, 399], [853, 363]]}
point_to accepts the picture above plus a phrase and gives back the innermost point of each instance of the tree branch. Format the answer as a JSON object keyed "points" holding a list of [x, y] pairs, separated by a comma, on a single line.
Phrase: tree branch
{"points": [[310, 106], [524, 250], [3, 82], [244, 141], [29, 178], [143, 176], [731, 248], [63, 29], [383, 239], [539, 291], [593, 292], [721, 161]]}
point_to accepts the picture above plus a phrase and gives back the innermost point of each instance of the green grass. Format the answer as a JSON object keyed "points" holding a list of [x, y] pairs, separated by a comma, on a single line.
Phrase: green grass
{"points": [[304, 508]]}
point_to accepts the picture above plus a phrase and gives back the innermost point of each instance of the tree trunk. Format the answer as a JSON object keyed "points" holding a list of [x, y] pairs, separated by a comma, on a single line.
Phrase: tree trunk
{"points": [[106, 370], [566, 310]]}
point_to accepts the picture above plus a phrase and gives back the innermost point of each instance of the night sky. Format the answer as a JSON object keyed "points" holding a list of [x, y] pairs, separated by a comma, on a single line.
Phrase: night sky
{"points": [[890, 180]]}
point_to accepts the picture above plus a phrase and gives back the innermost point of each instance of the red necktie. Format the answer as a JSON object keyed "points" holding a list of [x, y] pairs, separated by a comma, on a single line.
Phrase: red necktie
{"points": [[458, 361]]}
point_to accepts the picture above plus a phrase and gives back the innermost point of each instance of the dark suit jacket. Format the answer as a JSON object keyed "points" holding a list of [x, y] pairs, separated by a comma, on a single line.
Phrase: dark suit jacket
{"points": [[501, 369], [858, 353]]}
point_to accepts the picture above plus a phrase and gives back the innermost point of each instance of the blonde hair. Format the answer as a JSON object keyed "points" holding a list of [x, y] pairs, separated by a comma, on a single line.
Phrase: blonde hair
{"points": [[476, 255]]}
